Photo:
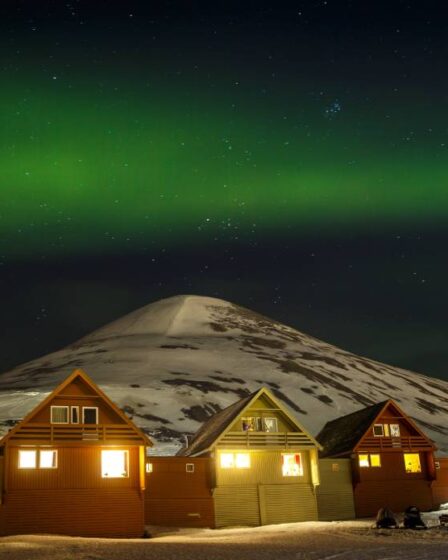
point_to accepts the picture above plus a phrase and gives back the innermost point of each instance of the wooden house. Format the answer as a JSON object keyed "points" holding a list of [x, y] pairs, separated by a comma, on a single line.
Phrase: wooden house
{"points": [[392, 460], [264, 464], [75, 465]]}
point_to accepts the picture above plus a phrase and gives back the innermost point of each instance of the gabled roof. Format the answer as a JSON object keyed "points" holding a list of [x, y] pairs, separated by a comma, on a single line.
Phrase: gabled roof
{"points": [[219, 424], [342, 435], [77, 373]]}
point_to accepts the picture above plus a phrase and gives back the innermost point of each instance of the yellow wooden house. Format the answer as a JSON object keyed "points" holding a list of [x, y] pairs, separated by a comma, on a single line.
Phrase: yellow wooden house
{"points": [[264, 463]]}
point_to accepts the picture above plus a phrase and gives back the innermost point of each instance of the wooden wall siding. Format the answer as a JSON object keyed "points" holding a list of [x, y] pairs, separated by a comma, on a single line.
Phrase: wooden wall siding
{"points": [[440, 485], [397, 495], [263, 440], [393, 468], [335, 493], [88, 513], [237, 505], [286, 503], [78, 467], [266, 468], [180, 512], [169, 479], [105, 414]]}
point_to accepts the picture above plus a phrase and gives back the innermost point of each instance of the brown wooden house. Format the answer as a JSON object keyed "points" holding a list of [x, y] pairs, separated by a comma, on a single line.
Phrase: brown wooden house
{"points": [[75, 465], [392, 459]]}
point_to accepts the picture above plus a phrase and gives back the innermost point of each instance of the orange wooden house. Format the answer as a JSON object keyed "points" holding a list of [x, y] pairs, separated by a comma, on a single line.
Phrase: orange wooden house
{"points": [[392, 459], [75, 465]]}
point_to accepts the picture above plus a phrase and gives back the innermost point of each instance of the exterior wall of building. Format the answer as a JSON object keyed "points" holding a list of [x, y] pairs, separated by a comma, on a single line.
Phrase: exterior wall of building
{"points": [[176, 497], [335, 493], [440, 485], [261, 494]]}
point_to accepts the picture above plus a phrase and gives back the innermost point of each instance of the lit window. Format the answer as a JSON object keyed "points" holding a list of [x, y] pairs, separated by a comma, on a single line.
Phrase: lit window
{"points": [[59, 414], [386, 430], [251, 424], [227, 461], [412, 463], [27, 459], [48, 459], [375, 460], [149, 467], [292, 464], [335, 467], [378, 430], [270, 424], [364, 461], [242, 461], [395, 430], [114, 464], [75, 414], [189, 467]]}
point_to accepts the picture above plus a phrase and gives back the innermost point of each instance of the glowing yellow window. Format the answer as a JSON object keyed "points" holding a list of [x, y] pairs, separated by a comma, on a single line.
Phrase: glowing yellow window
{"points": [[375, 460], [242, 461], [363, 461], [227, 460], [27, 459], [292, 464], [114, 463], [48, 459], [386, 430], [412, 463]]}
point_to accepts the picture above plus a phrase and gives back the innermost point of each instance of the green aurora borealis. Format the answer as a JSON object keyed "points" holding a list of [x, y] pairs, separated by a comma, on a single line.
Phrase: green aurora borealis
{"points": [[91, 168]]}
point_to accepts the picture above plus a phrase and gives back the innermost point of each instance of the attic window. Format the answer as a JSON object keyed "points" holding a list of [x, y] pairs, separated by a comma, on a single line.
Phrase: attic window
{"points": [[75, 414], [59, 414], [251, 424], [378, 430], [270, 425], [395, 430], [189, 468]]}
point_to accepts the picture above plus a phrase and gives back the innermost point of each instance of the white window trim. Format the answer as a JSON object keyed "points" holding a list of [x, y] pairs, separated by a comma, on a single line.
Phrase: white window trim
{"points": [[89, 408], [59, 406], [275, 422], [126, 452], [382, 430], [72, 408], [189, 467], [55, 451]]}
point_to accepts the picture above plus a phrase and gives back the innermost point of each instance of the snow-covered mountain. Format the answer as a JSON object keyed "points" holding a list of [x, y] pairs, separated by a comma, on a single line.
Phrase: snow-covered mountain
{"points": [[173, 363]]}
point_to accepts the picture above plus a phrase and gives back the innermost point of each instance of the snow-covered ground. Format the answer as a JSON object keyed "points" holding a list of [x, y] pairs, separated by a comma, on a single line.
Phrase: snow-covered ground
{"points": [[354, 540], [172, 364]]}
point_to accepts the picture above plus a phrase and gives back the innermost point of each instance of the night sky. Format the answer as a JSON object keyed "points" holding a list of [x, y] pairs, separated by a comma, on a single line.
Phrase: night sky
{"points": [[291, 157]]}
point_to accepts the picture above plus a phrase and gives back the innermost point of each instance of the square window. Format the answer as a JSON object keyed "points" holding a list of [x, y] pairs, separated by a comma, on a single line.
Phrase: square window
{"points": [[270, 425], [395, 430], [59, 414], [48, 459], [189, 468], [412, 463], [335, 467], [149, 468], [363, 461], [378, 430], [114, 463], [292, 464], [227, 460], [27, 459], [242, 461], [375, 460]]}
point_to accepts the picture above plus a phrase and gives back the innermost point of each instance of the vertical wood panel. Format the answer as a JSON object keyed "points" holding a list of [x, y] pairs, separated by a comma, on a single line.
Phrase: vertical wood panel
{"points": [[335, 493]]}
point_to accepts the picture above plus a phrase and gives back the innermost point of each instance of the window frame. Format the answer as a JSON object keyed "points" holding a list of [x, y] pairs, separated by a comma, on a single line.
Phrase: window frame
{"points": [[378, 426], [126, 452], [399, 430], [55, 451], [275, 419], [67, 408], [72, 410], [359, 461], [420, 470], [299, 463], [239, 466], [379, 460], [35, 459], [189, 468], [90, 408]]}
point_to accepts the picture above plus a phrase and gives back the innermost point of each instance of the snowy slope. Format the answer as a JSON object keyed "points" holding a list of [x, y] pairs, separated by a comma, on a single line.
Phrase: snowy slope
{"points": [[173, 363]]}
